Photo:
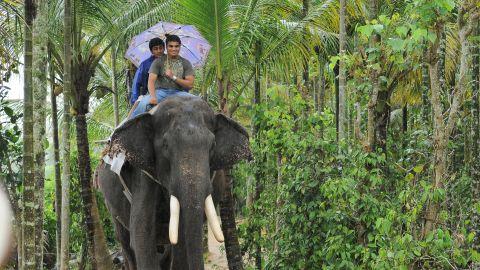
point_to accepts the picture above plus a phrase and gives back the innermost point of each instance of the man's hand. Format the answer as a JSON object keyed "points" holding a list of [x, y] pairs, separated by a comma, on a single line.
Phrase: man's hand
{"points": [[153, 100], [169, 74]]}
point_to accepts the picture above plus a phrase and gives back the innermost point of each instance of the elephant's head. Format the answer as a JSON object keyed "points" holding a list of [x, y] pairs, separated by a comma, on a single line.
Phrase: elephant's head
{"points": [[180, 141]]}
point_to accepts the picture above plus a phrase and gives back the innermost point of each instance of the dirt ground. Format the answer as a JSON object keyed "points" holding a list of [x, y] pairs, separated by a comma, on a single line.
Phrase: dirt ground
{"points": [[217, 259]]}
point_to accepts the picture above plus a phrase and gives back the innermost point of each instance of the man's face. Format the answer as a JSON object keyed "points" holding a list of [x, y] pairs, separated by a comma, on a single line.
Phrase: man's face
{"points": [[157, 51], [173, 48]]}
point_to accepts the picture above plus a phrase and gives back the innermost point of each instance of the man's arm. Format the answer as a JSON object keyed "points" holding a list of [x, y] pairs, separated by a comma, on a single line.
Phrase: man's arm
{"points": [[186, 83], [152, 77]]}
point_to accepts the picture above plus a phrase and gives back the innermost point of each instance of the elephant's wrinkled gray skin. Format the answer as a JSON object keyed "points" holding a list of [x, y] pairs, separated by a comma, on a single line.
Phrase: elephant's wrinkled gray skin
{"points": [[180, 143]]}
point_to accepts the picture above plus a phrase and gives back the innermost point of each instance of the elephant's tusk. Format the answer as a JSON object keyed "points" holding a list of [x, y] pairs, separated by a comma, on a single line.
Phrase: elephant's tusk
{"points": [[213, 219], [174, 220]]}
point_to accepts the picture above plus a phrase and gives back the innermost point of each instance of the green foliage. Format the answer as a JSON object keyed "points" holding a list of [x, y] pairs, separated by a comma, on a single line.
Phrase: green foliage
{"points": [[334, 207], [11, 147], [320, 205], [77, 221]]}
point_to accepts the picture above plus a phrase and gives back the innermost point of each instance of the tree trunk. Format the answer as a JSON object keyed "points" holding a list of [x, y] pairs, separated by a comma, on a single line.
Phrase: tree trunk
{"points": [[440, 139], [373, 76], [255, 130], [102, 254], [305, 75], [442, 129], [66, 174], [476, 139], [227, 213], [114, 86], [28, 221], [382, 117], [405, 118], [56, 159], [40, 99], [227, 209], [425, 99], [130, 73], [442, 57], [342, 74], [321, 85], [97, 247], [222, 101], [98, 251], [358, 119], [337, 99], [466, 154], [82, 264]]}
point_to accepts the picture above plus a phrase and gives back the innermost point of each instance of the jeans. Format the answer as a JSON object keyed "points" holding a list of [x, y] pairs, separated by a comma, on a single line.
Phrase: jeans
{"points": [[161, 94]]}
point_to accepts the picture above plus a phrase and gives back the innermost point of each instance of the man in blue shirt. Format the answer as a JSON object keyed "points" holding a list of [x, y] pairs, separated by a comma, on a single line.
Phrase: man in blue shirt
{"points": [[140, 81]]}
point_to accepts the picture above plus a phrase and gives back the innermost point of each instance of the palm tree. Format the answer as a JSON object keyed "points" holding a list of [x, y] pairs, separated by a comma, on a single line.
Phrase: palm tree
{"points": [[9, 39], [28, 222], [86, 58], [476, 132], [92, 32], [114, 84], [342, 74], [375, 85], [40, 98], [66, 174], [56, 157]]}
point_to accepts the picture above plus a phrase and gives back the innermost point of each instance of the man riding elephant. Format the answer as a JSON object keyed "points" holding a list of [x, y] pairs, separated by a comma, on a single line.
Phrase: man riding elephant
{"points": [[169, 75], [170, 154], [140, 81]]}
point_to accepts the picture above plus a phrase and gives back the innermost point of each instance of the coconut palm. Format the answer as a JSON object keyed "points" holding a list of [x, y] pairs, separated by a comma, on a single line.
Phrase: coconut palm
{"points": [[28, 222], [10, 45], [342, 74], [64, 258], [40, 97], [92, 33]]}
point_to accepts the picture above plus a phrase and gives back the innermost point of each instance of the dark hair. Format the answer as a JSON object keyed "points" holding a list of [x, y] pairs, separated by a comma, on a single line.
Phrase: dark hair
{"points": [[155, 42], [172, 38]]}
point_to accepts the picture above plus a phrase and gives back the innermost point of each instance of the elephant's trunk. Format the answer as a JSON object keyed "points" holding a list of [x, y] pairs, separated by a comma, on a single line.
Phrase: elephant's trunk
{"points": [[189, 187], [191, 226]]}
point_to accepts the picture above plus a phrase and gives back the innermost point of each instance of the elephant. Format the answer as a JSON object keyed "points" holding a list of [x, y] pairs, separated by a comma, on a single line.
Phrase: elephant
{"points": [[171, 153]]}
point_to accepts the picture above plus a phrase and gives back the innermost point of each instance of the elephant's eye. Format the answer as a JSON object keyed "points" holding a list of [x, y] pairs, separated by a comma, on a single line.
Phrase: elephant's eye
{"points": [[164, 147], [212, 148]]}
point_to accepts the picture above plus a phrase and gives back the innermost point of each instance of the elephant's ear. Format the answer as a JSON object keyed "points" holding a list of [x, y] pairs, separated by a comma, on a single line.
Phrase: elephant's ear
{"points": [[231, 143], [135, 139]]}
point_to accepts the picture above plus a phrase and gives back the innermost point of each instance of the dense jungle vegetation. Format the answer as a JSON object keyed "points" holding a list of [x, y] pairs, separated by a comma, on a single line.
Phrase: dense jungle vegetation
{"points": [[363, 115]]}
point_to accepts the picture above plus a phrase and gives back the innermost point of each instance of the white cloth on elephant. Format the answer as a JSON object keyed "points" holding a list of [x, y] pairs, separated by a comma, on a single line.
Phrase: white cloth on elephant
{"points": [[116, 163]]}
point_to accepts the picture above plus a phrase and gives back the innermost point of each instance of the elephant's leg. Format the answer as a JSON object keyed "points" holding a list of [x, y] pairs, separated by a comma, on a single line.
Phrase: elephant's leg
{"points": [[142, 224], [123, 235]]}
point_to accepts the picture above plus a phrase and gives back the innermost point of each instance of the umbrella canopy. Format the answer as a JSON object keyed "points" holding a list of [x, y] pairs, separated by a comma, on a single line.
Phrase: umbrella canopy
{"points": [[194, 47]]}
